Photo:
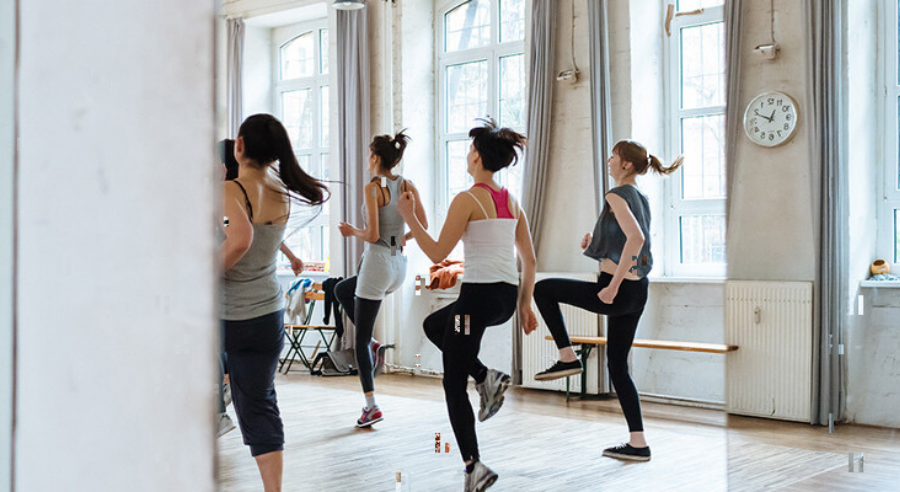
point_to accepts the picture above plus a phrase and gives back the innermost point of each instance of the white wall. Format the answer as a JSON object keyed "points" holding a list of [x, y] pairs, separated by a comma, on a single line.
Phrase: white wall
{"points": [[7, 155], [873, 338], [257, 78], [117, 353]]}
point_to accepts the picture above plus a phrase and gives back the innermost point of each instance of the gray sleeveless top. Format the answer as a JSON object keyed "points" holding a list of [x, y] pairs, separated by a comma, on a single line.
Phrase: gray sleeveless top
{"points": [[390, 223], [609, 240], [250, 289]]}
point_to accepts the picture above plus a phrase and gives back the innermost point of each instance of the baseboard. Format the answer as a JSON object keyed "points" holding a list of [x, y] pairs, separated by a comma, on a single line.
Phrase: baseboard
{"points": [[683, 402]]}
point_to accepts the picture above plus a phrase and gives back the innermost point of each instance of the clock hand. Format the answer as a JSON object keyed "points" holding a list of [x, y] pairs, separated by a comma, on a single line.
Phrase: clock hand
{"points": [[772, 116]]}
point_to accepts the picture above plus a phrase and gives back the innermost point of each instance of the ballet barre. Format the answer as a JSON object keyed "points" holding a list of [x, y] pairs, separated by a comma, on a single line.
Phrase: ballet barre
{"points": [[587, 344]]}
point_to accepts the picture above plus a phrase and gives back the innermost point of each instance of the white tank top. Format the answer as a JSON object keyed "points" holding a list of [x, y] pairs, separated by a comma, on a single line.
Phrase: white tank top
{"points": [[490, 250]]}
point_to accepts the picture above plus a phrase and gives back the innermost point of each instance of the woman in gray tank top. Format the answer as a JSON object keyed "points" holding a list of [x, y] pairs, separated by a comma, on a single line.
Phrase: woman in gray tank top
{"points": [[257, 206], [382, 267], [621, 243]]}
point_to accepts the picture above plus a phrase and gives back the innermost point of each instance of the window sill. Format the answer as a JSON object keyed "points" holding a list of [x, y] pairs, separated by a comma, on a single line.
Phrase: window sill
{"points": [[888, 284], [288, 273], [687, 280]]}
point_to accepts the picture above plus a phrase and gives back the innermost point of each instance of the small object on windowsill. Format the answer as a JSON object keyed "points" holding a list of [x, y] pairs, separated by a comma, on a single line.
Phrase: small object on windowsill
{"points": [[880, 266]]}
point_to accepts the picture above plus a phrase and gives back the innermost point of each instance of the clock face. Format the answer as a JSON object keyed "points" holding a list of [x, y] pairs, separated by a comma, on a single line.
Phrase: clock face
{"points": [[770, 119]]}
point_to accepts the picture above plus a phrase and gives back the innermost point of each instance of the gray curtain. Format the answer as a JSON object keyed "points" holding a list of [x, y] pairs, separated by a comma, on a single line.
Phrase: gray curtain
{"points": [[353, 122], [601, 107], [541, 79], [235, 66], [825, 100], [733, 107]]}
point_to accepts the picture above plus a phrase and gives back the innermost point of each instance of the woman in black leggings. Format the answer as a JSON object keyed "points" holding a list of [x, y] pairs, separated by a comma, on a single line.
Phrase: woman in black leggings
{"points": [[621, 242], [492, 227]]}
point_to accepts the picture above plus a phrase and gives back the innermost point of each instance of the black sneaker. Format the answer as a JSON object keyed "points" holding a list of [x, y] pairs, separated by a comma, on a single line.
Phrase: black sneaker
{"points": [[559, 370], [626, 452]]}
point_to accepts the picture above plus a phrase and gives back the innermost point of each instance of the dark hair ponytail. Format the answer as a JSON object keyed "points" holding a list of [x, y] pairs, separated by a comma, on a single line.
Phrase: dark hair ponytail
{"points": [[390, 150], [641, 160], [265, 141], [226, 155], [498, 147]]}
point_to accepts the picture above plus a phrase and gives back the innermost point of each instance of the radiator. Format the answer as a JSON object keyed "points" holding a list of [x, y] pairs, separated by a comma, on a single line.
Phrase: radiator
{"points": [[770, 375], [538, 354]]}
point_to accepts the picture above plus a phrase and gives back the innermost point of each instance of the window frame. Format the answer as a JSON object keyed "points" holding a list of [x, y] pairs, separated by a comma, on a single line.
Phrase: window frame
{"points": [[675, 206], [890, 135], [317, 82], [492, 53]]}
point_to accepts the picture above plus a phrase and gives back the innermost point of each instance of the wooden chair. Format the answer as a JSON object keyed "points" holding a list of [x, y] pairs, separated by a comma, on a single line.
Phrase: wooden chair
{"points": [[296, 334]]}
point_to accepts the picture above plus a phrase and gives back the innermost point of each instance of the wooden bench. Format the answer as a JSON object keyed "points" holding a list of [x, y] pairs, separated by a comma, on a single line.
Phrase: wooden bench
{"points": [[587, 344]]}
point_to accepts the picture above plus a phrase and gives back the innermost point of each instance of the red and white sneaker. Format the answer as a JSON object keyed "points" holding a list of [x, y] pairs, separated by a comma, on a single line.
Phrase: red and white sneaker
{"points": [[370, 416]]}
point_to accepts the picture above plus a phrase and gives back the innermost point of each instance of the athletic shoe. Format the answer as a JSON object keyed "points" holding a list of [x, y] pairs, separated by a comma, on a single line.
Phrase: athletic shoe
{"points": [[491, 390], [627, 452], [377, 357], [370, 416], [480, 478], [559, 370], [226, 394], [225, 425]]}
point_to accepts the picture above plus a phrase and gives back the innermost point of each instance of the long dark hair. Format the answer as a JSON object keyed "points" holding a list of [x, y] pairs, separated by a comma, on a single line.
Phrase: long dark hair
{"points": [[498, 147], [266, 141], [642, 160], [226, 155], [390, 149]]}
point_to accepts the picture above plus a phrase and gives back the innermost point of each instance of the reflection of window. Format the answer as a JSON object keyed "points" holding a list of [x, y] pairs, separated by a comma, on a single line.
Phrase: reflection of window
{"points": [[695, 216], [889, 211], [482, 73], [301, 103]]}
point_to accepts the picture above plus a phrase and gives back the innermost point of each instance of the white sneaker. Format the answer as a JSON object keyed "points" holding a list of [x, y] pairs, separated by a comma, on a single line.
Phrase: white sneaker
{"points": [[491, 390], [226, 394], [225, 425], [480, 479]]}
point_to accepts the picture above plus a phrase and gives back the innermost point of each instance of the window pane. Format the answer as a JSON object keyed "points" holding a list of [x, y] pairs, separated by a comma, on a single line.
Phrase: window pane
{"points": [[297, 116], [512, 20], [686, 5], [703, 239], [298, 57], [468, 26], [703, 145], [323, 158], [304, 242], [323, 51], [703, 66], [323, 110], [467, 93], [458, 179], [512, 91], [896, 236]]}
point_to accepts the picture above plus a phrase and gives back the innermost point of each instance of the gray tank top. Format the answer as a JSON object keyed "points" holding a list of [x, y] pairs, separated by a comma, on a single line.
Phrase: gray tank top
{"points": [[609, 240], [250, 289], [390, 223]]}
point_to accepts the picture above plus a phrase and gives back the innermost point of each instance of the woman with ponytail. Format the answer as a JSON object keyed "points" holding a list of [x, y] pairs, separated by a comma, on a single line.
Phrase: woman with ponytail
{"points": [[492, 227], [257, 206], [382, 268], [621, 243]]}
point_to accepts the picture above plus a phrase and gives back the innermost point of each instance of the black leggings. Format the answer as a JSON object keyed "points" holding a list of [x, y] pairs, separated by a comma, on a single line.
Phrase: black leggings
{"points": [[622, 320], [253, 347], [486, 305], [362, 312]]}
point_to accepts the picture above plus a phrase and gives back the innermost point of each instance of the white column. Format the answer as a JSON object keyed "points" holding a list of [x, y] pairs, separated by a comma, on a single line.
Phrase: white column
{"points": [[116, 255]]}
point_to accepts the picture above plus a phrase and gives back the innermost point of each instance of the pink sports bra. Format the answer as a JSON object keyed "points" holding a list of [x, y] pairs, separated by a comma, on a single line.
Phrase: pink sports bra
{"points": [[501, 201]]}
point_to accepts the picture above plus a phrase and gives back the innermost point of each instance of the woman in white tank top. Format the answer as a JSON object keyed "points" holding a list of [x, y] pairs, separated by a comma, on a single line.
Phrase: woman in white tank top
{"points": [[492, 227]]}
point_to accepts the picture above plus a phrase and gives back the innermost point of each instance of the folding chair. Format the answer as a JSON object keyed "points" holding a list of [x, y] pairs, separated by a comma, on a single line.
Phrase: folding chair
{"points": [[296, 334]]}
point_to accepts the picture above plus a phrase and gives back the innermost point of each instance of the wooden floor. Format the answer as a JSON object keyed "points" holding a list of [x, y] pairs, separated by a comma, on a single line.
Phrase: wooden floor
{"points": [[539, 443]]}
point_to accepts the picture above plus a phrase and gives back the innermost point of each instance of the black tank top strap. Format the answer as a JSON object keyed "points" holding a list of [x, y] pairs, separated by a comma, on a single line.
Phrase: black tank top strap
{"points": [[246, 198], [380, 188]]}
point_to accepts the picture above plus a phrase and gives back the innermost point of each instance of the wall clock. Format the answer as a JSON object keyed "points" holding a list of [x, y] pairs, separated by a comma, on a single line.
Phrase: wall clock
{"points": [[770, 119]]}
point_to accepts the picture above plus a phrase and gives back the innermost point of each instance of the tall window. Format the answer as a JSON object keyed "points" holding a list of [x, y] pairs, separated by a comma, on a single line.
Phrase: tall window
{"points": [[695, 195], [889, 212], [481, 45], [301, 103]]}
